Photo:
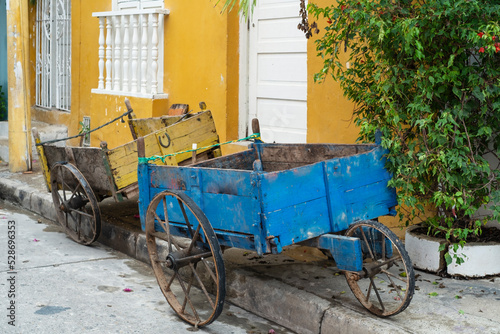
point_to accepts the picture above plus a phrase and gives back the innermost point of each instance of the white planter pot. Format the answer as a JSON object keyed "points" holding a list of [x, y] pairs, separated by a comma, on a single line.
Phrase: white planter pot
{"points": [[481, 259], [424, 250]]}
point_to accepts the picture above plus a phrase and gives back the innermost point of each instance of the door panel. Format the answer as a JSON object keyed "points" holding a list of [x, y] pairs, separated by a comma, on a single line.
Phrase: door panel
{"points": [[277, 72]]}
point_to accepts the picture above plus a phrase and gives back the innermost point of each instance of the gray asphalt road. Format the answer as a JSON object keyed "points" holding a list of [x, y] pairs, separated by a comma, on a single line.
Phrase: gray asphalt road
{"points": [[50, 284]]}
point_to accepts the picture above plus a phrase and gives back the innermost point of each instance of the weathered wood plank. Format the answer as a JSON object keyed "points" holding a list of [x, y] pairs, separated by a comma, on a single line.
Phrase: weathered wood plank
{"points": [[299, 222], [198, 129], [144, 126], [43, 160], [88, 160], [291, 187], [240, 160], [276, 157], [346, 251]]}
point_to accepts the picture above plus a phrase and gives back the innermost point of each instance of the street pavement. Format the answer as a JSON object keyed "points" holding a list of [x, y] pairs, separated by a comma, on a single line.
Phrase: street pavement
{"points": [[298, 289], [58, 286]]}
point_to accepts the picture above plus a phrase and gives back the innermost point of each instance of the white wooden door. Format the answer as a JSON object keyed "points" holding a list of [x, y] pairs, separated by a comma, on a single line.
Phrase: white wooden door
{"points": [[277, 72]]}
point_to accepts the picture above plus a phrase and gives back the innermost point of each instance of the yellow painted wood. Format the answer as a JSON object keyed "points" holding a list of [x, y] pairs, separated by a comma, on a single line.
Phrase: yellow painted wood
{"points": [[43, 162], [144, 126], [199, 129]]}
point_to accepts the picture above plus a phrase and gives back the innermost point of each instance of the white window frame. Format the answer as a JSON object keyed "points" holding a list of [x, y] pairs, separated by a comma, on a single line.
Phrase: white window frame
{"points": [[137, 4]]}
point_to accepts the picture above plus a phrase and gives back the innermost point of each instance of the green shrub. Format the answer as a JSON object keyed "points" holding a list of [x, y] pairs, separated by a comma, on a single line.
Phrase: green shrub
{"points": [[3, 105], [427, 74]]}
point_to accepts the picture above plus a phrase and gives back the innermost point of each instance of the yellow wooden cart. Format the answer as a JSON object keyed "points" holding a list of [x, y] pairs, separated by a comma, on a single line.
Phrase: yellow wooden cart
{"points": [[80, 177]]}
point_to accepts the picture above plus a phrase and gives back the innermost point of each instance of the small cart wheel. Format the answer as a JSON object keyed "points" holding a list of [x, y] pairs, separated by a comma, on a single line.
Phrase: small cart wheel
{"points": [[190, 272], [75, 203], [386, 284]]}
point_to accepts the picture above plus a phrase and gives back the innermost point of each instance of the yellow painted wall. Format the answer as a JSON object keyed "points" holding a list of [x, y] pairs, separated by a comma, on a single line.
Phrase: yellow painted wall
{"points": [[200, 64], [196, 58], [329, 113]]}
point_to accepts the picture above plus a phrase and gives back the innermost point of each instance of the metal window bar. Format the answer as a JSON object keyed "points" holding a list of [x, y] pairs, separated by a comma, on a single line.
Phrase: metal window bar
{"points": [[53, 54]]}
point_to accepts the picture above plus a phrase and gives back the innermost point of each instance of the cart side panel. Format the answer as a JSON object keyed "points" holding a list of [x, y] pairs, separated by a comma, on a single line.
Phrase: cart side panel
{"points": [[225, 196], [278, 157], [89, 162], [358, 189], [294, 204]]}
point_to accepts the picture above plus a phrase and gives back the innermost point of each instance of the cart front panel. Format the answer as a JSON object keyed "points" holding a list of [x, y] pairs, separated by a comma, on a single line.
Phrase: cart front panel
{"points": [[358, 190]]}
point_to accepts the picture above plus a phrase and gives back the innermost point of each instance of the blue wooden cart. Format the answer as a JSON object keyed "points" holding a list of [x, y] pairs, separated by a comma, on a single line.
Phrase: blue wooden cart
{"points": [[263, 199]]}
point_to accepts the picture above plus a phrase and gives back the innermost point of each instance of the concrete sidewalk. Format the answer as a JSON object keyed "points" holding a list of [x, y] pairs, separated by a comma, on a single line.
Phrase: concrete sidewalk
{"points": [[298, 289]]}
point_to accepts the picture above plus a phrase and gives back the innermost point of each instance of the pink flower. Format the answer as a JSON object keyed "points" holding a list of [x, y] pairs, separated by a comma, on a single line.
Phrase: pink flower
{"points": [[481, 50], [36, 240], [127, 290]]}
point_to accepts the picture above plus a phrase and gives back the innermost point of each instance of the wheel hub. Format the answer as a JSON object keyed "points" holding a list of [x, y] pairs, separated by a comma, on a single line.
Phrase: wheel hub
{"points": [[74, 203], [182, 258]]}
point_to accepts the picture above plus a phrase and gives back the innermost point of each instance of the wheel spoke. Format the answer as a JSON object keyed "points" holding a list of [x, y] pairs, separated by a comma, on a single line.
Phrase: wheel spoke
{"points": [[187, 292], [186, 296], [75, 191], [209, 270], [388, 273], [190, 228], [380, 243], [202, 286], [376, 293], [367, 244], [193, 240], [69, 189], [63, 183], [383, 247], [167, 223], [170, 282], [82, 213], [393, 284]]}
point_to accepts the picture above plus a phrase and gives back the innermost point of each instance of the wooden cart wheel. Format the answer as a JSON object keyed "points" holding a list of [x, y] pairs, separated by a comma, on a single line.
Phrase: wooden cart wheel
{"points": [[75, 203], [386, 285], [190, 272]]}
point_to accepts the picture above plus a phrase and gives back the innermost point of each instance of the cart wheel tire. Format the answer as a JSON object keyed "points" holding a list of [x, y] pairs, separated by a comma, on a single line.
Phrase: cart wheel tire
{"points": [[190, 272], [75, 203], [388, 281]]}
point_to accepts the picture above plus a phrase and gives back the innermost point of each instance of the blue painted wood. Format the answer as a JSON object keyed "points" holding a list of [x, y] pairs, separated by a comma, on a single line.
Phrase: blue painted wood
{"points": [[144, 192], [291, 187], [346, 251], [255, 209], [358, 188], [374, 238], [298, 222]]}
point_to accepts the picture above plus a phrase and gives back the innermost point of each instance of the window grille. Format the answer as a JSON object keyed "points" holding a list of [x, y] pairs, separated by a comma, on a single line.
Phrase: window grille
{"points": [[53, 54]]}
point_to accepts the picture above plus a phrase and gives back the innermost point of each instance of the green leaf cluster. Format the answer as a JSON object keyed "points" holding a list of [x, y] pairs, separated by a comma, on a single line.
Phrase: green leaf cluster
{"points": [[245, 6], [427, 74], [3, 105]]}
